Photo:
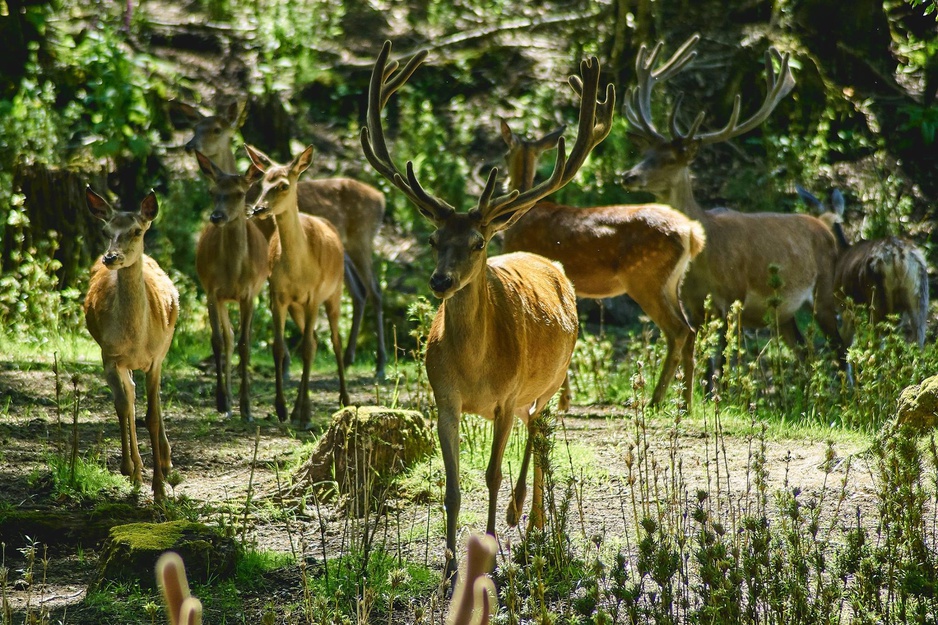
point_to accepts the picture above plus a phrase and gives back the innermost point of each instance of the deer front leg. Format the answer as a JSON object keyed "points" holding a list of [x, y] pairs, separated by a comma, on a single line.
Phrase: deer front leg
{"points": [[121, 383], [504, 419], [244, 356], [447, 429], [301, 409], [222, 399], [162, 462], [278, 312]]}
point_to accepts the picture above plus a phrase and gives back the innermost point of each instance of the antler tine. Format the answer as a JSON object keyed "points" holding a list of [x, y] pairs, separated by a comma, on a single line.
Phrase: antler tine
{"points": [[519, 202], [595, 120], [672, 121], [385, 80], [777, 87], [638, 100]]}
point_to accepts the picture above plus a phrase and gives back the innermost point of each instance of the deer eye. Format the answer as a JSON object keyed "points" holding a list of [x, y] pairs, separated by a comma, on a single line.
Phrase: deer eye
{"points": [[282, 187], [478, 246], [137, 232]]}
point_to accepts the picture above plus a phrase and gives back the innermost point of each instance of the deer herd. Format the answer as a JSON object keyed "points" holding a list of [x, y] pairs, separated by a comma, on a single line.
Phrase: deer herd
{"points": [[503, 336]]}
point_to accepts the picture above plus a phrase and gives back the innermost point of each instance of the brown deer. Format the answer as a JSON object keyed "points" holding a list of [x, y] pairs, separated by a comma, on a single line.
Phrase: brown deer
{"points": [[231, 261], [503, 336], [354, 208], [306, 263], [742, 249], [641, 250], [131, 309], [889, 275]]}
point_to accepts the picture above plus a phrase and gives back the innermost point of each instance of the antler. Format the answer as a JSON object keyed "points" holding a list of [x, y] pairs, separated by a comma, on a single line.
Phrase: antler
{"points": [[638, 101], [777, 87], [594, 124]]}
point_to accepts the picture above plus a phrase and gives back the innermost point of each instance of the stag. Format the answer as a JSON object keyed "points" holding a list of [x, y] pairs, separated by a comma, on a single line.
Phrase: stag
{"points": [[504, 333], [354, 208], [306, 267], [231, 262], [889, 275], [131, 309], [641, 250], [743, 249]]}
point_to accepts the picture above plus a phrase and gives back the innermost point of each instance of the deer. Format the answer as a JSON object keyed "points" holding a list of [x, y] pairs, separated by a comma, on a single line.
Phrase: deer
{"points": [[889, 274], [642, 250], [356, 210], [503, 335], [306, 262], [743, 249], [131, 309], [231, 262]]}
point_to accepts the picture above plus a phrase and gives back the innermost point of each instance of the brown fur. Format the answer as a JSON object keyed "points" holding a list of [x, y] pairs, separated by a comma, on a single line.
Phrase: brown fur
{"points": [[640, 250], [131, 311]]}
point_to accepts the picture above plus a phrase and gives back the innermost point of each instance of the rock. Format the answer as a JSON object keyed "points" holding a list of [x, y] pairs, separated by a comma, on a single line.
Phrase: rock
{"points": [[361, 452], [131, 551], [918, 405]]}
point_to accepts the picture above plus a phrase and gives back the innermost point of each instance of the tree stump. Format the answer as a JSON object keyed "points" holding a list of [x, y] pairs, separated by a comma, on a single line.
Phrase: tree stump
{"points": [[361, 452], [918, 405], [131, 552]]}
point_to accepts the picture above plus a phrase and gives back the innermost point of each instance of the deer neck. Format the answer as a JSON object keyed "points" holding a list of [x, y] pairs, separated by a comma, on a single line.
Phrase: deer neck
{"points": [[235, 238], [131, 297], [225, 160], [292, 235], [681, 196], [467, 312]]}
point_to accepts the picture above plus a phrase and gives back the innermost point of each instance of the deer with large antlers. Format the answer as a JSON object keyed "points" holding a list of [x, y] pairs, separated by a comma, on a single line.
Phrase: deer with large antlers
{"points": [[742, 248], [231, 262], [889, 274], [642, 250], [131, 309], [503, 336], [306, 262], [355, 209]]}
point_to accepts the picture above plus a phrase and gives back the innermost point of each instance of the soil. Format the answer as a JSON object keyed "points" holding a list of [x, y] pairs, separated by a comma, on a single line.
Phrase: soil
{"points": [[223, 462]]}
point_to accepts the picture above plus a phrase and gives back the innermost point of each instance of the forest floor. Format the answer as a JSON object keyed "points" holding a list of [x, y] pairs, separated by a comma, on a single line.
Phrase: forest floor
{"points": [[216, 459]]}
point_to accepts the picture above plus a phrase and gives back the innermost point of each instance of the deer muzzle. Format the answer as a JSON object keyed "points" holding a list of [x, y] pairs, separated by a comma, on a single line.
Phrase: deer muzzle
{"points": [[441, 283]]}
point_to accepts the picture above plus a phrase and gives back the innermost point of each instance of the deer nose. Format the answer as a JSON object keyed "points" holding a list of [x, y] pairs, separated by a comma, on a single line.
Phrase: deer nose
{"points": [[110, 258], [631, 178], [190, 146], [441, 282], [217, 217]]}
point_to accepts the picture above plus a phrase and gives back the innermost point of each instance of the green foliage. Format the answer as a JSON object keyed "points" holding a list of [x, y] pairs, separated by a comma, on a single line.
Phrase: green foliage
{"points": [[89, 479]]}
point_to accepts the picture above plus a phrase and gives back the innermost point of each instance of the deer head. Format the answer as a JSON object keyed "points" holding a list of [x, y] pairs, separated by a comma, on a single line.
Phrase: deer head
{"points": [[125, 229], [278, 185], [229, 190], [460, 239], [667, 158]]}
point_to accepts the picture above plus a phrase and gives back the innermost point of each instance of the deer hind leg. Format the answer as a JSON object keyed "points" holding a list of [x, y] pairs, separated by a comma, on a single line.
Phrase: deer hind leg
{"points": [[122, 386], [333, 310], [364, 269], [279, 314], [665, 310], [244, 356], [566, 396], [162, 454]]}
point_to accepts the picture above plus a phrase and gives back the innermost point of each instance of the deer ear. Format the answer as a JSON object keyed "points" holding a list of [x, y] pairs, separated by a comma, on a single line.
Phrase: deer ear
{"points": [[149, 207], [507, 135], [837, 202], [252, 175], [232, 114], [809, 198], [208, 168], [188, 111], [97, 205], [302, 161], [260, 160]]}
